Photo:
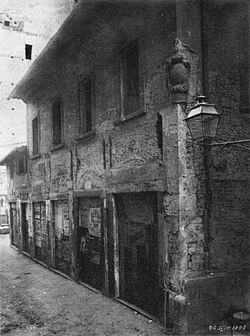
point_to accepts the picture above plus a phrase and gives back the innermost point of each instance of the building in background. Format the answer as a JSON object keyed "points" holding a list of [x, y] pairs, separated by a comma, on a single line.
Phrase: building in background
{"points": [[25, 28], [3, 197], [17, 196], [118, 191]]}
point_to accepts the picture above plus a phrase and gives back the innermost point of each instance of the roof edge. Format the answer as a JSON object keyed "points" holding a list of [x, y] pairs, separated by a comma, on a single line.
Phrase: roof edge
{"points": [[7, 157]]}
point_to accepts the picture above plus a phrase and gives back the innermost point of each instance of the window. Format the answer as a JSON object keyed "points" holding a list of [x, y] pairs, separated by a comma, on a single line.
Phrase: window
{"points": [[41, 170], [12, 170], [57, 122], [35, 136], [129, 79], [21, 165], [28, 51], [6, 23], [86, 96]]}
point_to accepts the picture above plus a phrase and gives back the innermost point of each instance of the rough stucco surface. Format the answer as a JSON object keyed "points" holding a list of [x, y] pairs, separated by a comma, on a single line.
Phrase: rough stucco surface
{"points": [[86, 162], [125, 155], [230, 165]]}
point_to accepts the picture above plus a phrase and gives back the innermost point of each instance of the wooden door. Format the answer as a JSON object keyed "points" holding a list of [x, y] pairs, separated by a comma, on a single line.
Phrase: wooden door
{"points": [[138, 250], [41, 233], [91, 243], [62, 251]]}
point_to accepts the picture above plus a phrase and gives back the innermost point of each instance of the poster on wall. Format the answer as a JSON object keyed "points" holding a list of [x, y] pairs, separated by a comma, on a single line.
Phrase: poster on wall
{"points": [[37, 213], [62, 218], [66, 218], [58, 219], [83, 218], [39, 241], [30, 219], [95, 222]]}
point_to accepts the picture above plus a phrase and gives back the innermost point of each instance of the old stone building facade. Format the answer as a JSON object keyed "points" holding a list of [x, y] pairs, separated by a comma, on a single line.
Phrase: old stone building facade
{"points": [[17, 197], [119, 197]]}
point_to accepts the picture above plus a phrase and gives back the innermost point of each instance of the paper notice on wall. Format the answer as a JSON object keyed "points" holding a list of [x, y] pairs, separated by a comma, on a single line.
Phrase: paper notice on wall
{"points": [[83, 218], [66, 224], [30, 219], [37, 225], [58, 219], [38, 241], [61, 211], [95, 222], [66, 229], [37, 212]]}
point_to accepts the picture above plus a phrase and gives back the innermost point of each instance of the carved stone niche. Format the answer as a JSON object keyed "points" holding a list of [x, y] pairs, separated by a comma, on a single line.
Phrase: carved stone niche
{"points": [[179, 73]]}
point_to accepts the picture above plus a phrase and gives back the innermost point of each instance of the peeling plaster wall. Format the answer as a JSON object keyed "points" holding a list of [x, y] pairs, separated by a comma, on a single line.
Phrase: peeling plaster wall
{"points": [[92, 162], [217, 236], [125, 144], [184, 173], [229, 90]]}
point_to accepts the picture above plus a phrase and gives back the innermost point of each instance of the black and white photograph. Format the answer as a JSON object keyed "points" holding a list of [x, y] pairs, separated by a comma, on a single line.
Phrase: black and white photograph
{"points": [[124, 167]]}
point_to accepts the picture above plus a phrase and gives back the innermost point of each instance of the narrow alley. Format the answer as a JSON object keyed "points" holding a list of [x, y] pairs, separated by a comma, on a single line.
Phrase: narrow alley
{"points": [[37, 302]]}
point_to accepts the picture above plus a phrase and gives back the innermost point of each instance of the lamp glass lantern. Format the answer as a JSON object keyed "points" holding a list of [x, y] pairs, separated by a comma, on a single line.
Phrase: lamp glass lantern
{"points": [[202, 120]]}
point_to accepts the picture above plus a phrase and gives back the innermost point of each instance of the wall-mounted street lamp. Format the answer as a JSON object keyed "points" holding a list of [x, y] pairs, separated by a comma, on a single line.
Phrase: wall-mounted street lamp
{"points": [[203, 120]]}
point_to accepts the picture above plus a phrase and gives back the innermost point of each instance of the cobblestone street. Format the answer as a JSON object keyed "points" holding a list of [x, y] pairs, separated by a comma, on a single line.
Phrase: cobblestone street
{"points": [[37, 302]]}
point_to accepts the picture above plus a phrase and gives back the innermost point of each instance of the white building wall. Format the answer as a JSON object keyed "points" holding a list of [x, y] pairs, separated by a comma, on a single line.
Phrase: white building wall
{"points": [[30, 22]]}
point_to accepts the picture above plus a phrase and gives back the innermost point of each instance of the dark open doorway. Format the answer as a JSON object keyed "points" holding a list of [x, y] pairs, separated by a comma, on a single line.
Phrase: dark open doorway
{"points": [[14, 237]]}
